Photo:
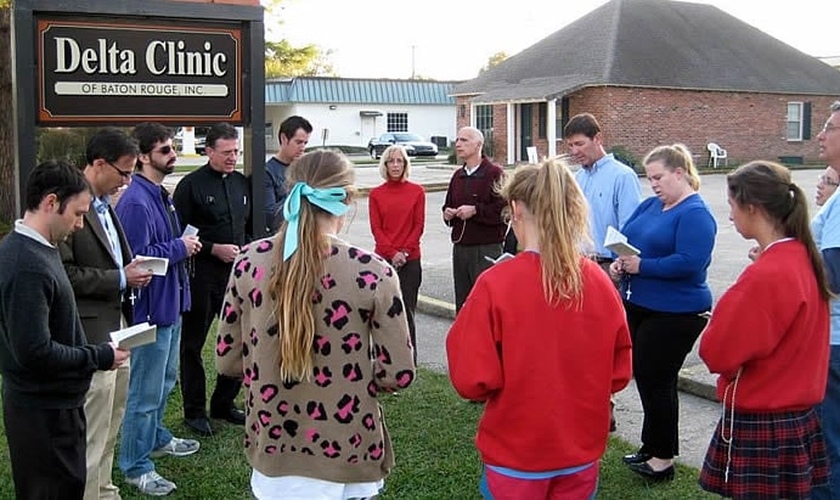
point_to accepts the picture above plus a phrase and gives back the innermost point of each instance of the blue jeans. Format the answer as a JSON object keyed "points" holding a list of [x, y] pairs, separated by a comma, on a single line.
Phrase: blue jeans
{"points": [[154, 368], [830, 413]]}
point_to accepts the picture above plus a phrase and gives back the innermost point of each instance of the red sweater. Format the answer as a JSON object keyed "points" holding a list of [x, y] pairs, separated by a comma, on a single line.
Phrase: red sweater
{"points": [[479, 190], [773, 323], [397, 218], [547, 373]]}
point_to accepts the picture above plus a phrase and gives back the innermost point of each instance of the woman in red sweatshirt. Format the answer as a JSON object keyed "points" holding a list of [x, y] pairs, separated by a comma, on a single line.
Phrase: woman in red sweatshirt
{"points": [[397, 218], [768, 340], [543, 340]]}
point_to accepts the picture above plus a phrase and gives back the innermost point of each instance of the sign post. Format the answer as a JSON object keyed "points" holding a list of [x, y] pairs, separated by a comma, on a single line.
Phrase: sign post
{"points": [[99, 62]]}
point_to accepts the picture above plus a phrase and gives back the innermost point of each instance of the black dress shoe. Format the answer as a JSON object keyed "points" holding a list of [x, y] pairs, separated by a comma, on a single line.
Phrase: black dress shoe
{"points": [[636, 458], [200, 425], [645, 470], [233, 415]]}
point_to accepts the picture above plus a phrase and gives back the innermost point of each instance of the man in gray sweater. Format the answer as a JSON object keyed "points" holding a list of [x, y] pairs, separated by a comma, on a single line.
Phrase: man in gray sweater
{"points": [[45, 363]]}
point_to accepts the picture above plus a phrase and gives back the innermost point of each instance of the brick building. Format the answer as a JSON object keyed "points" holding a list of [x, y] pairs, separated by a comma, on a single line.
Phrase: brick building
{"points": [[655, 72]]}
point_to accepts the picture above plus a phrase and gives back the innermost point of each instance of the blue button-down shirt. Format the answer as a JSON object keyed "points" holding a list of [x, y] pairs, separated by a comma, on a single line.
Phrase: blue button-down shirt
{"points": [[613, 192], [101, 207]]}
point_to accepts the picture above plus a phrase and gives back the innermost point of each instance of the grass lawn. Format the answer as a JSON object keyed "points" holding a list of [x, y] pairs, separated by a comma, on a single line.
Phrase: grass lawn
{"points": [[432, 430]]}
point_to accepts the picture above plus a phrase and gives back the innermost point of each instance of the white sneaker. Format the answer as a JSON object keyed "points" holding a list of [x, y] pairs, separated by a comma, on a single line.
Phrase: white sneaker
{"points": [[152, 484], [177, 447]]}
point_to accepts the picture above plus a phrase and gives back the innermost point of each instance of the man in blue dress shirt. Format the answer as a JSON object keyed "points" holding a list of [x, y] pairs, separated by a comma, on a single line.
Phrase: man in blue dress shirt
{"points": [[611, 188]]}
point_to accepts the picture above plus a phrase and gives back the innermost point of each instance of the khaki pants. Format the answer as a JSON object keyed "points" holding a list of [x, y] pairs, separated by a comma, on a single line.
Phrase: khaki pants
{"points": [[104, 410]]}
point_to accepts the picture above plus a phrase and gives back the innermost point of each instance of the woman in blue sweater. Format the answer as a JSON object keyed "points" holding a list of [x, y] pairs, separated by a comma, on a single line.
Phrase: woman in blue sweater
{"points": [[665, 295]]}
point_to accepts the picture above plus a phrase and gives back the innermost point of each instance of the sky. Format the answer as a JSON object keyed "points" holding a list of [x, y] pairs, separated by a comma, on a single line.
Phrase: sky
{"points": [[453, 39]]}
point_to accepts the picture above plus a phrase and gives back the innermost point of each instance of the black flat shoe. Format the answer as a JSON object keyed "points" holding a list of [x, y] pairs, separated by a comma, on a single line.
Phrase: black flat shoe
{"points": [[636, 458], [645, 470], [233, 415], [200, 426]]}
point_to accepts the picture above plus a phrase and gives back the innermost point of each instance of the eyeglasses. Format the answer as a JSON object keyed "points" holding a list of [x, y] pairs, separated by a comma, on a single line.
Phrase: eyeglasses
{"points": [[123, 173], [164, 150], [823, 179], [829, 127], [227, 154]]}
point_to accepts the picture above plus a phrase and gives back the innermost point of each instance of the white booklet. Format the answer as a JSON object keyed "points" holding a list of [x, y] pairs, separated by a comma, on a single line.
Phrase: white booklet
{"points": [[157, 265], [501, 258], [617, 243], [190, 230], [134, 336]]}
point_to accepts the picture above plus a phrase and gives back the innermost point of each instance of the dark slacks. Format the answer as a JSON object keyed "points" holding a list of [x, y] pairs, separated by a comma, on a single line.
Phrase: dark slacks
{"points": [[468, 261], [411, 275], [661, 342], [207, 286], [47, 451]]}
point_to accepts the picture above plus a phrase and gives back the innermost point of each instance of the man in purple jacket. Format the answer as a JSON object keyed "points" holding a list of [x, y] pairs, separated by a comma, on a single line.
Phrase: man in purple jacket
{"points": [[152, 229]]}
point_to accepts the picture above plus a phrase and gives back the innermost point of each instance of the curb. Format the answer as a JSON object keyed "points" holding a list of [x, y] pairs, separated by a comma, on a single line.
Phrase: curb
{"points": [[695, 380], [431, 187]]}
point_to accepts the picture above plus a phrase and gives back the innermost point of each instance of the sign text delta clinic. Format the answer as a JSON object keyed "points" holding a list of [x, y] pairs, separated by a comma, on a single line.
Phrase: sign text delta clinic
{"points": [[109, 59]]}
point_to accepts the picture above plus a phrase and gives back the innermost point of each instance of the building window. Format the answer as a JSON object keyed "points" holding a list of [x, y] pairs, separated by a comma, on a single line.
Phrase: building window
{"points": [[484, 122], [795, 120], [397, 122]]}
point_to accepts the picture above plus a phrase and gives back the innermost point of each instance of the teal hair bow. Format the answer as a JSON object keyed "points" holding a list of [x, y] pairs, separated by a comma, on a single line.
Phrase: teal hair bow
{"points": [[329, 199]]}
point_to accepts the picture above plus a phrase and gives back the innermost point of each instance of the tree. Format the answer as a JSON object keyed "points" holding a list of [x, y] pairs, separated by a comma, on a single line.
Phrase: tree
{"points": [[494, 60], [282, 59]]}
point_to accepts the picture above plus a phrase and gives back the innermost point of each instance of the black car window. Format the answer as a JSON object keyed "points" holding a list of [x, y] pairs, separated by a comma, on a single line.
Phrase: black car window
{"points": [[408, 137], [386, 138]]}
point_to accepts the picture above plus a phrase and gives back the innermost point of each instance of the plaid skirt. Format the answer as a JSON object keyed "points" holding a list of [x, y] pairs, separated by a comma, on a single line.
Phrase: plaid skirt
{"points": [[773, 455]]}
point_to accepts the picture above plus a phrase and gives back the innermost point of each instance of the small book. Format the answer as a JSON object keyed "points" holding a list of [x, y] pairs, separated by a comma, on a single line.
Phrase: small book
{"points": [[617, 243], [190, 230], [501, 258], [134, 336], [157, 265]]}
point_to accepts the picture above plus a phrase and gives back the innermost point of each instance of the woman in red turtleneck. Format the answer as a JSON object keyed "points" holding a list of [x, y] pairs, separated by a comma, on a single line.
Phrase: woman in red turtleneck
{"points": [[397, 218]]}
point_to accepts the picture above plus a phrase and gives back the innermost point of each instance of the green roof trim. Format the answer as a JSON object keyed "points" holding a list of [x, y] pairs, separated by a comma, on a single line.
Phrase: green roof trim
{"points": [[358, 91]]}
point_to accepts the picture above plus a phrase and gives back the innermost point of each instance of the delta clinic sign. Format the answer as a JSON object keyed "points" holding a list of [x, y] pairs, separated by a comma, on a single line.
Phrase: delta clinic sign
{"points": [[95, 72]]}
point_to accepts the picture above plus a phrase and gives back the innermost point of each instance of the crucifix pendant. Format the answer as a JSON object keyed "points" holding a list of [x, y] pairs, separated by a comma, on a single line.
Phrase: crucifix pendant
{"points": [[132, 297], [628, 293]]}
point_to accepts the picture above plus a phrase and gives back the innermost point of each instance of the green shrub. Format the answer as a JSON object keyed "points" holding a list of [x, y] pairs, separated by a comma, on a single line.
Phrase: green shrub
{"points": [[63, 144], [624, 155]]}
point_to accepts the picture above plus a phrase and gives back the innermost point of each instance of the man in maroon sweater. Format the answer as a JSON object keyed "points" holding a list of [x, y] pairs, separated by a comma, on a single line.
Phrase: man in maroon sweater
{"points": [[473, 210]]}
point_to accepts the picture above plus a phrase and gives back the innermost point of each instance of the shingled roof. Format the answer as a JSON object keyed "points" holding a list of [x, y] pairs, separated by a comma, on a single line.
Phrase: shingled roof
{"points": [[654, 43]]}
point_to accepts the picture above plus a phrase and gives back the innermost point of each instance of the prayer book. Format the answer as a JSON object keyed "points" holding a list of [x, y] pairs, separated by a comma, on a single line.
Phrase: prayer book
{"points": [[134, 336], [190, 230], [617, 243], [157, 265]]}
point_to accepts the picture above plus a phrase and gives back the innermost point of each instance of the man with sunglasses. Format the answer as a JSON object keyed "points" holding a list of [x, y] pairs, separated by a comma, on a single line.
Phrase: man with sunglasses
{"points": [[153, 229], [98, 261], [216, 199]]}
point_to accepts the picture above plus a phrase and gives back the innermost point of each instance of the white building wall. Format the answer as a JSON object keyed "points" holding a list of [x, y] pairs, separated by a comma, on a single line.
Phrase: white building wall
{"points": [[347, 128]]}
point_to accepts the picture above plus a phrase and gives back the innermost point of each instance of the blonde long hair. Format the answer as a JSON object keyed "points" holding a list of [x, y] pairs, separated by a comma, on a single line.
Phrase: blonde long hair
{"points": [[561, 216], [293, 284]]}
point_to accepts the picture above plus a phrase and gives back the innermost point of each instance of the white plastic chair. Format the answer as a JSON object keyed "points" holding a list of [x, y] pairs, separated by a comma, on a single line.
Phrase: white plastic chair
{"points": [[532, 154], [716, 153]]}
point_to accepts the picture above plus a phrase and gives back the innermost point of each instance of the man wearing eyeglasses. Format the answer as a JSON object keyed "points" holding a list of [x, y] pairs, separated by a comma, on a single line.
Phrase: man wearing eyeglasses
{"points": [[826, 230], [216, 199], [153, 229], [99, 263]]}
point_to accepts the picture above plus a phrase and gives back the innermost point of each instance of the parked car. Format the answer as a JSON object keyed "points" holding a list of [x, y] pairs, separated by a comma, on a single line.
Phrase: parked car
{"points": [[413, 143], [200, 136]]}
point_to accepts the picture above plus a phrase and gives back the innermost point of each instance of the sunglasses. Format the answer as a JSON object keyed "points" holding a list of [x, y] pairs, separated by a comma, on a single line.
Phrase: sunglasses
{"points": [[164, 150]]}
